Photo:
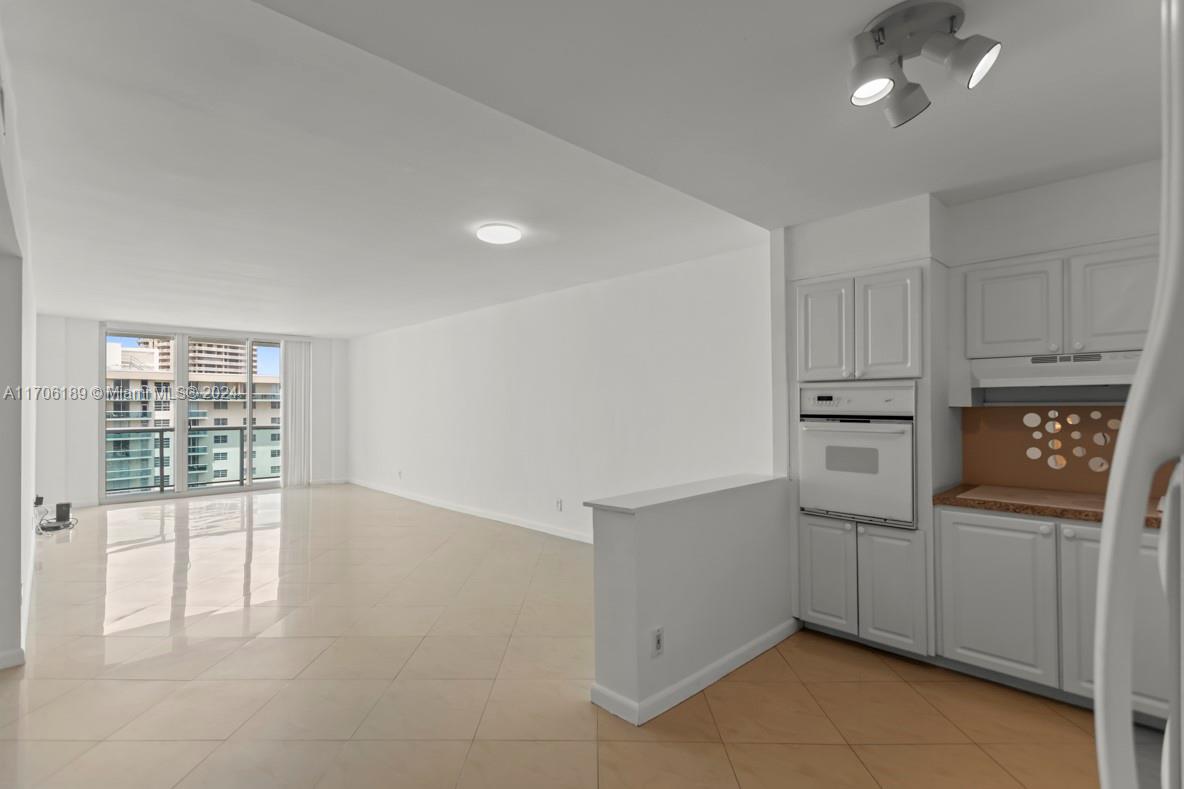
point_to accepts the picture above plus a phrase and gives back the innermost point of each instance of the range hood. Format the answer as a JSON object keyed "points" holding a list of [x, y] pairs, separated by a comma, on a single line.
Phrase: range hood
{"points": [[1065, 378]]}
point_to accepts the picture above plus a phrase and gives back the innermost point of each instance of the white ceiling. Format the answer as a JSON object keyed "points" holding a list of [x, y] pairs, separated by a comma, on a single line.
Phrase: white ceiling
{"points": [[743, 103], [217, 164]]}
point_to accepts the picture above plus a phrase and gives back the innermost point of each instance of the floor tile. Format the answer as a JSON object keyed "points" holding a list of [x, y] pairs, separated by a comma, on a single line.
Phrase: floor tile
{"points": [[766, 667], [546, 709], [131, 765], [548, 657], [201, 710], [362, 658], [541, 618], [933, 767], [815, 658], [529, 765], [236, 622], [93, 711], [314, 709], [427, 709], [456, 657], [1047, 765], [916, 671], [263, 765], [664, 765], [884, 713], [798, 767], [395, 765], [86, 657], [28, 762], [179, 658], [690, 721], [476, 621], [268, 658], [322, 621], [773, 712], [388, 621], [20, 696], [986, 712]]}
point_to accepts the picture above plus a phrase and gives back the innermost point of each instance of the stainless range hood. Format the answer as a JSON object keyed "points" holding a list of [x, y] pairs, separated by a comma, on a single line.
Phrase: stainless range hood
{"points": [[1077, 378]]}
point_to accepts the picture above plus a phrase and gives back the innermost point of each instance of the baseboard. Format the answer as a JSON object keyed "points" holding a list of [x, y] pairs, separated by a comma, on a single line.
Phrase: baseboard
{"points": [[616, 704], [671, 696], [12, 657], [513, 520]]}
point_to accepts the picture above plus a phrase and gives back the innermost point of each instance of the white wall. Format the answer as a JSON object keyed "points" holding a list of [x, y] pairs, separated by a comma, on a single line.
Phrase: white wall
{"points": [[11, 487], [330, 418], [877, 236], [1107, 206], [627, 384]]}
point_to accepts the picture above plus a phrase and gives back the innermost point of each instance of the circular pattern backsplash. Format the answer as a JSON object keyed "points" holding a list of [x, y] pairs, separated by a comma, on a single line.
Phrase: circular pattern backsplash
{"points": [[1096, 432]]}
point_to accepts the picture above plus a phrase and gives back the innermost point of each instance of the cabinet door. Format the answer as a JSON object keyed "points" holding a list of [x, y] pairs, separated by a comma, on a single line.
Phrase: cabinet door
{"points": [[825, 328], [1079, 591], [1110, 299], [827, 569], [1015, 310], [999, 594], [892, 574], [888, 325]]}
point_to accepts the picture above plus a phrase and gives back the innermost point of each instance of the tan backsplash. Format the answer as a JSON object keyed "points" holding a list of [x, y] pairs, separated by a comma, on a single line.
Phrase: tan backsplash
{"points": [[1053, 447]]}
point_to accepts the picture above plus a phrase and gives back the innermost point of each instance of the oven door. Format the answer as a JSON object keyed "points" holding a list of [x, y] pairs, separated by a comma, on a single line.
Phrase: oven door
{"points": [[862, 468]]}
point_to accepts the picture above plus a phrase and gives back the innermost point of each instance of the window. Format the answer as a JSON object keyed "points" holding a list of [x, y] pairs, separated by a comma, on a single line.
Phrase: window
{"points": [[219, 473], [220, 456], [274, 404], [219, 421], [163, 405], [275, 469], [167, 442], [275, 420], [161, 423], [275, 453], [158, 459], [221, 439], [275, 436], [252, 454], [221, 405]]}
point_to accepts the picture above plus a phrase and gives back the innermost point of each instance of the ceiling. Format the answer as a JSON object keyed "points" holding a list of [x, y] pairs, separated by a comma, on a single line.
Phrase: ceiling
{"points": [[215, 164], [743, 103]]}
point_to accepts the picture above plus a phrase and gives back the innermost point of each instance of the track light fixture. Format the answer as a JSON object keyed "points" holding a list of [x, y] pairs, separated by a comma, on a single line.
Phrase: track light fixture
{"points": [[909, 29]]}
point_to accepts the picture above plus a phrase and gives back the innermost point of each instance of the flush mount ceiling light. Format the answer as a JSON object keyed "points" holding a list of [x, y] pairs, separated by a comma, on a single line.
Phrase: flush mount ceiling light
{"points": [[912, 28], [499, 233]]}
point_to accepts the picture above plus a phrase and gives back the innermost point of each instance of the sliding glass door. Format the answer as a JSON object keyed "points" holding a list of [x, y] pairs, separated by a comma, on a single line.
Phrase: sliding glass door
{"points": [[229, 391]]}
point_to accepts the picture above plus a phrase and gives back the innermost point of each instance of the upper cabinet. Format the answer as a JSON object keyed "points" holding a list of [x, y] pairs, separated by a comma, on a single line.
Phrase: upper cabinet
{"points": [[1110, 299], [1080, 304], [866, 327], [1015, 310], [825, 328]]}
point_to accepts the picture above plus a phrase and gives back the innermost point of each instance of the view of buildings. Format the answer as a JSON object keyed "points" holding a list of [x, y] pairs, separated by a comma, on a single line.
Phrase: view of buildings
{"points": [[222, 423]]}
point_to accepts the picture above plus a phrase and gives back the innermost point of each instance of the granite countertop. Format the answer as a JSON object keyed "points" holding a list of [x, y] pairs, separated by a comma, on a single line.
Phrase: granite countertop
{"points": [[1062, 505]]}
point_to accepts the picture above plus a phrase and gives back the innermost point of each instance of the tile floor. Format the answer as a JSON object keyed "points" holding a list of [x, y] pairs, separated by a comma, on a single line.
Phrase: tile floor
{"points": [[339, 637]]}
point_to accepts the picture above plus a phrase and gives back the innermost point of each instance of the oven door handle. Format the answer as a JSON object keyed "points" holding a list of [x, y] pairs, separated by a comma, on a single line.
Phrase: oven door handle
{"points": [[888, 431]]}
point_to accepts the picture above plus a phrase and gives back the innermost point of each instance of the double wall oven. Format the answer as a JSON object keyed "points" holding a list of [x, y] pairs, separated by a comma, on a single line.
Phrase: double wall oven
{"points": [[857, 453]]}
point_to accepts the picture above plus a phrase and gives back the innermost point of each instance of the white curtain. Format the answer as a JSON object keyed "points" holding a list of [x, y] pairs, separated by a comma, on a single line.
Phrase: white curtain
{"points": [[297, 414]]}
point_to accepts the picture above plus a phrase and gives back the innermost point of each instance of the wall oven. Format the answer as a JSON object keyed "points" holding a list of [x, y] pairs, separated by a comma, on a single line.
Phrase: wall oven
{"points": [[857, 452]]}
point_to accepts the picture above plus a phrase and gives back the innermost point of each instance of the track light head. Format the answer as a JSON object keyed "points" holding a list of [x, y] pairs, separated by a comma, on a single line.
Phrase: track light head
{"points": [[906, 102], [874, 74], [967, 59]]}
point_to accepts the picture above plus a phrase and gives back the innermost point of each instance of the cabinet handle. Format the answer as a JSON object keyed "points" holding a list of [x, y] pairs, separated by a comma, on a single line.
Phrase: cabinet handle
{"points": [[862, 530], [846, 373], [858, 373], [1046, 530], [846, 527], [1077, 346], [1053, 347], [1069, 534]]}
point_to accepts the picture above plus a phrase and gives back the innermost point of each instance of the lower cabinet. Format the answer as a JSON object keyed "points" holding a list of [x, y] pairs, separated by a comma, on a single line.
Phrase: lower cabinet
{"points": [[999, 594], [892, 589], [828, 573], [864, 580], [1079, 590]]}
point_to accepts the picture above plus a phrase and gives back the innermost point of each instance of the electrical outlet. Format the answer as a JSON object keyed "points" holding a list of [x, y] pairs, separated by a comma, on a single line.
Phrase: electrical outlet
{"points": [[559, 505], [659, 642]]}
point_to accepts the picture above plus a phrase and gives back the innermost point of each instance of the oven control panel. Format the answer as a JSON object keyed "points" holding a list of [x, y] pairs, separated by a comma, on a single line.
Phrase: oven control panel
{"points": [[853, 399]]}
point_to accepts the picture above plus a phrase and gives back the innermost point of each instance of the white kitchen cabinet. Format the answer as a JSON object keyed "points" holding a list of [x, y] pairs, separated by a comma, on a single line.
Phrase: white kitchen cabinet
{"points": [[828, 573], [999, 594], [892, 609], [825, 329], [1110, 299], [863, 327], [1015, 310], [1079, 590], [888, 312]]}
